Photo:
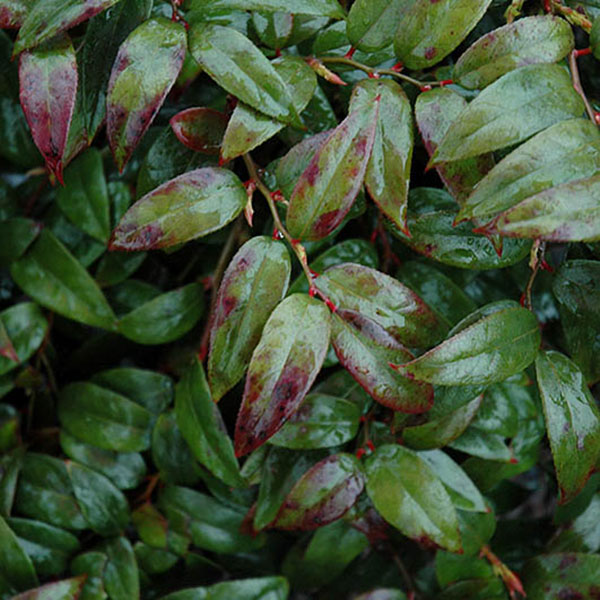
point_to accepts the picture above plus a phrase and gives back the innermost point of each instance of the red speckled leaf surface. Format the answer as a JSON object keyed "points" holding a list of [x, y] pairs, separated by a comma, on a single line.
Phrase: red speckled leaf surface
{"points": [[200, 129]]}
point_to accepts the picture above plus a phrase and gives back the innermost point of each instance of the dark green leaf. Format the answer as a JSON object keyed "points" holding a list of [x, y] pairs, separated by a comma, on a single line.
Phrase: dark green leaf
{"points": [[115, 268], [16, 235], [262, 588], [372, 24], [274, 29], [16, 569], [67, 589], [91, 565], [121, 578], [382, 594], [200, 129], [153, 529], [576, 286], [327, 8], [10, 467]]}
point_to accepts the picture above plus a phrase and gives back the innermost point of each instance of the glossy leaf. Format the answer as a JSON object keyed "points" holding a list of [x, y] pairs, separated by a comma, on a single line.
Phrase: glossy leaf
{"points": [[532, 98], [202, 426], [429, 31], [383, 594], [133, 100], [539, 39], [50, 274], [48, 86], [273, 29], [254, 283], [16, 569], [327, 188], [47, 19], [576, 287], [240, 68], [66, 589], [103, 418], [84, 197], [271, 588], [371, 24], [10, 467], [166, 318], [200, 129], [323, 494], [384, 300], [121, 577], [327, 8], [488, 347], [189, 206], [388, 169], [115, 268], [365, 349], [248, 128], [410, 496], [16, 235], [572, 421]]}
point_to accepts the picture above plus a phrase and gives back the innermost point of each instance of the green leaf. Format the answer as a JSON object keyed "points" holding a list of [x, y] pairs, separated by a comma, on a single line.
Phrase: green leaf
{"points": [[240, 68], [510, 110], [366, 350], [165, 318], [84, 197], [200, 129], [382, 594], [388, 169], [121, 578], [254, 283], [16, 235], [572, 421], [435, 111], [570, 575], [322, 495], [14, 12], [50, 274], [325, 191], [576, 286], [248, 128], [321, 422], [49, 17], [133, 99], [567, 151], [283, 367], [411, 497], [489, 346], [48, 106], [273, 29], [203, 428], [539, 39], [429, 31], [16, 569], [115, 268], [104, 418], [327, 8], [187, 207], [10, 467], [260, 588], [372, 24], [383, 300], [91, 565], [67, 589]]}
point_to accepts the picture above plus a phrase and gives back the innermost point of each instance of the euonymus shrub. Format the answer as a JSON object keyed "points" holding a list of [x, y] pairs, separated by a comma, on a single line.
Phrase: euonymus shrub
{"points": [[300, 300]]}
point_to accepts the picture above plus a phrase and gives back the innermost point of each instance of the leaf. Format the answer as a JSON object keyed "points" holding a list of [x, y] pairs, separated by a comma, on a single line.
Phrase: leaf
{"points": [[322, 421], [383, 300], [539, 39], [84, 197], [383, 594], [248, 128], [104, 507], [133, 99], [241, 69], [510, 110], [116, 268], [121, 578], [202, 426], [570, 575], [322, 495], [327, 8], [103, 418], [576, 286], [565, 213], [200, 129], [16, 235], [66, 589], [16, 569], [429, 31], [47, 90], [372, 24], [327, 188], [50, 274], [13, 13], [104, 34], [487, 347], [572, 421], [182, 209], [259, 588], [165, 318], [410, 496], [273, 29], [50, 17], [254, 283], [435, 111], [10, 467], [283, 367], [388, 169], [365, 349]]}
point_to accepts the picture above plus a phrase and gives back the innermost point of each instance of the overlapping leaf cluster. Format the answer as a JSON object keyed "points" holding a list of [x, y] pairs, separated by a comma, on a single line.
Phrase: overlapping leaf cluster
{"points": [[261, 335]]}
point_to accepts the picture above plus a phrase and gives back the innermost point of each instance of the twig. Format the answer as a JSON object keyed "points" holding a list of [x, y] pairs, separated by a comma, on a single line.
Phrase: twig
{"points": [[578, 87], [571, 15]]}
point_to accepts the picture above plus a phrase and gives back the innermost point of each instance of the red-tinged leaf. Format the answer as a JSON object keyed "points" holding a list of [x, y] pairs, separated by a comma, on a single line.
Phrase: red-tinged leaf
{"points": [[384, 300], [6, 346], [323, 494], [67, 589], [13, 13], [283, 367], [48, 88], [365, 349], [187, 207], [326, 190], [200, 129], [157, 46], [48, 18]]}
